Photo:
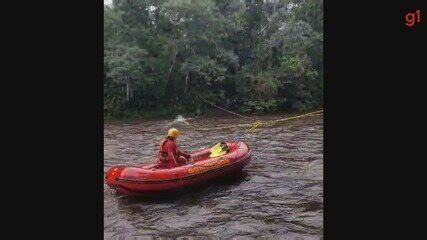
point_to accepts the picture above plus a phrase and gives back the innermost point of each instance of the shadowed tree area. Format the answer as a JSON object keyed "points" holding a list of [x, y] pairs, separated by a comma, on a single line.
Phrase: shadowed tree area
{"points": [[246, 56]]}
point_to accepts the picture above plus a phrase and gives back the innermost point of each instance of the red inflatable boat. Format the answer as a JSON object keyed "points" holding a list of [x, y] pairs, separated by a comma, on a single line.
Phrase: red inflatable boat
{"points": [[150, 180]]}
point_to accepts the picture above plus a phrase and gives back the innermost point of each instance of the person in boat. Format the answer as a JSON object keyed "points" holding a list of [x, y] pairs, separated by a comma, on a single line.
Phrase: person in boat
{"points": [[170, 155]]}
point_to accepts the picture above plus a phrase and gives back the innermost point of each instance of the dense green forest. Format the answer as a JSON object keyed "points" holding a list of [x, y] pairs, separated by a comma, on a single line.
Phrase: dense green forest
{"points": [[162, 56]]}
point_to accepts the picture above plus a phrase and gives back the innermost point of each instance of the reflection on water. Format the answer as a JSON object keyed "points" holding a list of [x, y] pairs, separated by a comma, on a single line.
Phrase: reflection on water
{"points": [[279, 194]]}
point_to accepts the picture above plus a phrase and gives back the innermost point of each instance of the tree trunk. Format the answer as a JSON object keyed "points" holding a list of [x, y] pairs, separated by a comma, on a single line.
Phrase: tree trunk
{"points": [[172, 63], [127, 89], [186, 83]]}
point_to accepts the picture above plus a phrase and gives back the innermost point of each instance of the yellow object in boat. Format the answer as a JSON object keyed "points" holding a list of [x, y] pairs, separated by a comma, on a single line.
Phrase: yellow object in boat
{"points": [[217, 151]]}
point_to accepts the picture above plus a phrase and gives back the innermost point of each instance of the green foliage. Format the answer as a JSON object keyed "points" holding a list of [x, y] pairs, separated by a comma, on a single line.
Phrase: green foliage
{"points": [[248, 56]]}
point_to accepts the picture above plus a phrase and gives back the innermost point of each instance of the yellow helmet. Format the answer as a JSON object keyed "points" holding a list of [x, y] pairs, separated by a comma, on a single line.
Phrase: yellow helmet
{"points": [[173, 132]]}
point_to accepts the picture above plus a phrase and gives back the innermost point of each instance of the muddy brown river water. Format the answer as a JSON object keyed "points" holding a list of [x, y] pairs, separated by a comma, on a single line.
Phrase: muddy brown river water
{"points": [[279, 194]]}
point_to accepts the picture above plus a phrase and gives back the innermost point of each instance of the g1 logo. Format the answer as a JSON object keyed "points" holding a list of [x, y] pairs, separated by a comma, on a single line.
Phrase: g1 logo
{"points": [[412, 18]]}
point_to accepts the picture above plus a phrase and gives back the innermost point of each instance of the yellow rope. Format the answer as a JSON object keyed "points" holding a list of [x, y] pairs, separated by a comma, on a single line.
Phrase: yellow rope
{"points": [[255, 125], [282, 120]]}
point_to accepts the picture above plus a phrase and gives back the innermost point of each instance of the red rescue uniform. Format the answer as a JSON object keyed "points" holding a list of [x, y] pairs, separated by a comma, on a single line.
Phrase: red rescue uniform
{"points": [[170, 155]]}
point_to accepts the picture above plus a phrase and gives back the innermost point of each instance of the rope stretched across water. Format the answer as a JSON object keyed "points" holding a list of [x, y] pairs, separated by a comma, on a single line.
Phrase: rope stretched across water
{"points": [[211, 103], [254, 125]]}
